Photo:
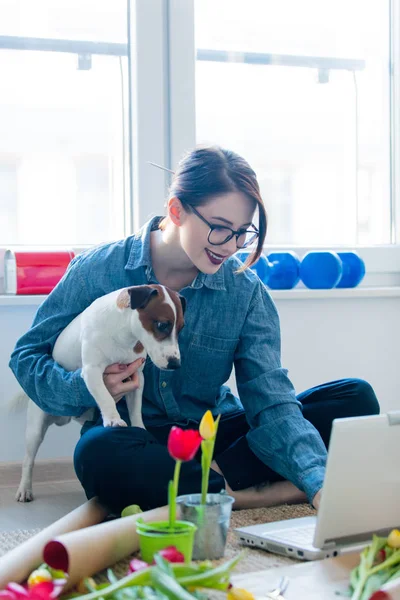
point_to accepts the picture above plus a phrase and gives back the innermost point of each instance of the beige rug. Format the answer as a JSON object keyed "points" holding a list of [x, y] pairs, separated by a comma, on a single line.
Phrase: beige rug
{"points": [[11, 539], [254, 560]]}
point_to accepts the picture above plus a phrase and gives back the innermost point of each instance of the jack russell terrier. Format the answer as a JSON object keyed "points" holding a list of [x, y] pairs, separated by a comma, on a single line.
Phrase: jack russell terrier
{"points": [[119, 327]]}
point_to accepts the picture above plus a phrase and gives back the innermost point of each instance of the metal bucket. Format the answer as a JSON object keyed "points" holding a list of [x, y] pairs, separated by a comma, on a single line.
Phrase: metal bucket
{"points": [[212, 521]]}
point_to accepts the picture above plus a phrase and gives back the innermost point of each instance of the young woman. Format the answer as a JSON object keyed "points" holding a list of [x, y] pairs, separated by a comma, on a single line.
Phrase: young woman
{"points": [[271, 445]]}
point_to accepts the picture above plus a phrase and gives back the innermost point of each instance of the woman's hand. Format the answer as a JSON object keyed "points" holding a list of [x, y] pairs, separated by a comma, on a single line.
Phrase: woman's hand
{"points": [[121, 379], [317, 499]]}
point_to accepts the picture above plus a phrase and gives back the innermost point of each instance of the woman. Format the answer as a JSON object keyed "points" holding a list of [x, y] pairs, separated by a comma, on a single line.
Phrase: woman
{"points": [[271, 446]]}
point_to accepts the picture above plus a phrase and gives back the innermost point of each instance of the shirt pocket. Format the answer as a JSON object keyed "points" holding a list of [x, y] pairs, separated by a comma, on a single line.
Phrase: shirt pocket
{"points": [[207, 364]]}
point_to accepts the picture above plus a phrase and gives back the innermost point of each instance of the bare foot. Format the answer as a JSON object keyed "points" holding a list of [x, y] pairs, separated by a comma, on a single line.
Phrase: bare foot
{"points": [[280, 492]]}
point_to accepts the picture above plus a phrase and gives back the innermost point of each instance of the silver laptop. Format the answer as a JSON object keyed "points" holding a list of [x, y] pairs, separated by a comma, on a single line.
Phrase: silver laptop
{"points": [[360, 495]]}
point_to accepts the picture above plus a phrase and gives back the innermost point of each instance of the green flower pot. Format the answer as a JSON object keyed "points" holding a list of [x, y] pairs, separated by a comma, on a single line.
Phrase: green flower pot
{"points": [[157, 535]]}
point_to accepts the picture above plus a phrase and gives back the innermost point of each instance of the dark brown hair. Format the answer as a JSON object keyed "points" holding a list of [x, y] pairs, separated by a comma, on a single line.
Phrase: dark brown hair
{"points": [[209, 171]]}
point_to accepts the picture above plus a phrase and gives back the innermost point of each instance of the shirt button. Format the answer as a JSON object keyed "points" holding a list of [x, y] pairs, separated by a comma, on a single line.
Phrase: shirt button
{"points": [[164, 384]]}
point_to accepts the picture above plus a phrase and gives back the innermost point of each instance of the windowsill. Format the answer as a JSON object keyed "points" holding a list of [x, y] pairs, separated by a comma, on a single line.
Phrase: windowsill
{"points": [[358, 292], [295, 294]]}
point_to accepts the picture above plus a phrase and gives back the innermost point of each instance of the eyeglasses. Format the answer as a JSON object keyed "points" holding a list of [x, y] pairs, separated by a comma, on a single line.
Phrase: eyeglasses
{"points": [[219, 235]]}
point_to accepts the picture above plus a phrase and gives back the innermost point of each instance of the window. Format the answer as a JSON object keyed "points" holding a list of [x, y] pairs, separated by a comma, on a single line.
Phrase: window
{"points": [[302, 90], [64, 165]]}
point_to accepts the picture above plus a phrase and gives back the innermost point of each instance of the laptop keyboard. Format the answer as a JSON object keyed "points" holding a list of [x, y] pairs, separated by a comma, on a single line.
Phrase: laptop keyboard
{"points": [[298, 535]]}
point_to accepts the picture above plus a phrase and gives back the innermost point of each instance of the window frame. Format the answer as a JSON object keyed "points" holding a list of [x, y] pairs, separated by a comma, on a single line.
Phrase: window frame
{"points": [[161, 65], [176, 70], [80, 48]]}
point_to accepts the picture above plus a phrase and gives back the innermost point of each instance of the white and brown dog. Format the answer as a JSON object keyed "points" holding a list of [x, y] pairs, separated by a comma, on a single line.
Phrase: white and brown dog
{"points": [[119, 327]]}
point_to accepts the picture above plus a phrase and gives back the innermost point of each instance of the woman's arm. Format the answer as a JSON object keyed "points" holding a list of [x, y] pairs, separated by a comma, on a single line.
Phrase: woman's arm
{"points": [[280, 436], [53, 389]]}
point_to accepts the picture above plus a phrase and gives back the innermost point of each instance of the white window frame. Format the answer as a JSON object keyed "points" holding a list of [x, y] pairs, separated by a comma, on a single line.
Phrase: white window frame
{"points": [[163, 123]]}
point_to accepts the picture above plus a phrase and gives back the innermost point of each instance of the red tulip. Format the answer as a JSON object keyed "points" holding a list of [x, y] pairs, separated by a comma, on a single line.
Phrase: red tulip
{"points": [[137, 565], [7, 595], [171, 554], [46, 590], [183, 444]]}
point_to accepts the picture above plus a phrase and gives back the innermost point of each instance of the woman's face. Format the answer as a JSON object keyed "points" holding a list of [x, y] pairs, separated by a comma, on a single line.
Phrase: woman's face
{"points": [[234, 210]]}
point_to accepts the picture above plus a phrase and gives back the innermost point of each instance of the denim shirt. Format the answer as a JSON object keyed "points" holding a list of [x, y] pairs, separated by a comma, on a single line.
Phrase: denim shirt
{"points": [[230, 320]]}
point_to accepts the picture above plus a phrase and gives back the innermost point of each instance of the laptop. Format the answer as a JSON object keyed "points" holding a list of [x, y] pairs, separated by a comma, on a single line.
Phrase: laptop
{"points": [[360, 495]]}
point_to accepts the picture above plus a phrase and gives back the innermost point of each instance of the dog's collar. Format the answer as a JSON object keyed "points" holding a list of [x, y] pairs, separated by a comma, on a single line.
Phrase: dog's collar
{"points": [[140, 256]]}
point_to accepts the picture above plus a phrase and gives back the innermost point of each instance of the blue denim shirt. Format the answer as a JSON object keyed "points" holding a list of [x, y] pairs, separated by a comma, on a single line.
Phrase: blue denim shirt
{"points": [[230, 320]]}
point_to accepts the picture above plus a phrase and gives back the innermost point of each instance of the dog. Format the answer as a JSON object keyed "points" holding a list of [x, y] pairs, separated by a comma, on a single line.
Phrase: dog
{"points": [[119, 327]]}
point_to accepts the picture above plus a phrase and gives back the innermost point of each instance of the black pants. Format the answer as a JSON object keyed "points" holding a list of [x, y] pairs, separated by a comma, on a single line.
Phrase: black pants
{"points": [[129, 465]]}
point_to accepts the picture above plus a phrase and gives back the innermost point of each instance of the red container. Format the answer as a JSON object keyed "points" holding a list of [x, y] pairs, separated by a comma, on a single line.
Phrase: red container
{"points": [[34, 272]]}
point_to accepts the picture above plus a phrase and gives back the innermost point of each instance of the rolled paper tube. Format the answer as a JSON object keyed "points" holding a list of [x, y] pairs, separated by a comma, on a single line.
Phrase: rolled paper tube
{"points": [[85, 552], [18, 564]]}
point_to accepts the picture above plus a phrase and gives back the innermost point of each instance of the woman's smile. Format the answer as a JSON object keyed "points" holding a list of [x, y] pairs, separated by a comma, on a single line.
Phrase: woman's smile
{"points": [[214, 258]]}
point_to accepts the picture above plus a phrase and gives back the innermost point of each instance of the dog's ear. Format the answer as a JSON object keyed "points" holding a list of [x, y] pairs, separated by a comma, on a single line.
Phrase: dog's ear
{"points": [[140, 295], [183, 302]]}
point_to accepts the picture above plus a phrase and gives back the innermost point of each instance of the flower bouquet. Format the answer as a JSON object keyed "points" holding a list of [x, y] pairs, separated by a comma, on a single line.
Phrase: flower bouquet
{"points": [[210, 513], [155, 536], [167, 577], [379, 566]]}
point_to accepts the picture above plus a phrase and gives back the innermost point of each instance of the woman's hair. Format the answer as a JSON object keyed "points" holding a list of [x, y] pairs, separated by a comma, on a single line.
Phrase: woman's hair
{"points": [[209, 171]]}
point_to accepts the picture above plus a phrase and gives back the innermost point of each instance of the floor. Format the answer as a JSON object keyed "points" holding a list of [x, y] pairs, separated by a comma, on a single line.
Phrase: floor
{"points": [[52, 500]]}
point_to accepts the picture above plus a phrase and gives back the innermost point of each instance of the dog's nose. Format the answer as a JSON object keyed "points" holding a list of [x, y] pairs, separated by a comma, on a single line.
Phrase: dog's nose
{"points": [[174, 363]]}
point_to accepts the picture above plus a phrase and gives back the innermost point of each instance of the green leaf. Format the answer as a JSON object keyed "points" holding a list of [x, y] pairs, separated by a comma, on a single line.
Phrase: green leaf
{"points": [[373, 584], [214, 577], [128, 593], [394, 573], [163, 564], [111, 577], [169, 586]]}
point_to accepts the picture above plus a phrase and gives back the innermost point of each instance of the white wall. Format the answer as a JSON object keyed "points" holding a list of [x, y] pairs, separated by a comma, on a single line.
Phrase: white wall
{"points": [[322, 339]]}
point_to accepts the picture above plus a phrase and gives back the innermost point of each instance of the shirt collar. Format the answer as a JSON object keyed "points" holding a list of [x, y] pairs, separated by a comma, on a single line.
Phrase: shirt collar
{"points": [[140, 256]]}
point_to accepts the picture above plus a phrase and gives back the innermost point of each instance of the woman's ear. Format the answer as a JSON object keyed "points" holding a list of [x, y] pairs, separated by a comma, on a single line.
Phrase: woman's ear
{"points": [[176, 212]]}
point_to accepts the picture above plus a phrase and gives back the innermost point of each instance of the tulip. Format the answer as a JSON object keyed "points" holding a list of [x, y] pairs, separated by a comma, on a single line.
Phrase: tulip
{"points": [[208, 430], [207, 426], [39, 576], [171, 554], [7, 595], [394, 539], [137, 565], [182, 446], [45, 590], [235, 593], [19, 591]]}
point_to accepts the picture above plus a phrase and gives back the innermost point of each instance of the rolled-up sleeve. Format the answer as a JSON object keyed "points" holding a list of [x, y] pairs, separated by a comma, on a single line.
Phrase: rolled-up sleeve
{"points": [[53, 389], [279, 434]]}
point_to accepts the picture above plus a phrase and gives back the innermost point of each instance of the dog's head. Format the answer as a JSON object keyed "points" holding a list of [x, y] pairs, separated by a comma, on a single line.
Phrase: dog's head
{"points": [[156, 317]]}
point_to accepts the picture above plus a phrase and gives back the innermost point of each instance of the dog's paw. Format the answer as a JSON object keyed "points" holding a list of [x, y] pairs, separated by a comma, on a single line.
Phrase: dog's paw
{"points": [[114, 422], [24, 495]]}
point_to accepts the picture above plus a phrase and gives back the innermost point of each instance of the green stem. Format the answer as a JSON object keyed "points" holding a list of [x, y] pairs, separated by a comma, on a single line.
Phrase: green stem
{"points": [[173, 492], [205, 466], [177, 472]]}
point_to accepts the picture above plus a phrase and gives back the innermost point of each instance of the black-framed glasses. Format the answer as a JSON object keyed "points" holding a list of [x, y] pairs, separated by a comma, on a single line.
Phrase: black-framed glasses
{"points": [[220, 234]]}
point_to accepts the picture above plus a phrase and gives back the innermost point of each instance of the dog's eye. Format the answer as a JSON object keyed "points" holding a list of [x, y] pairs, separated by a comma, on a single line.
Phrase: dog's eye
{"points": [[163, 326]]}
